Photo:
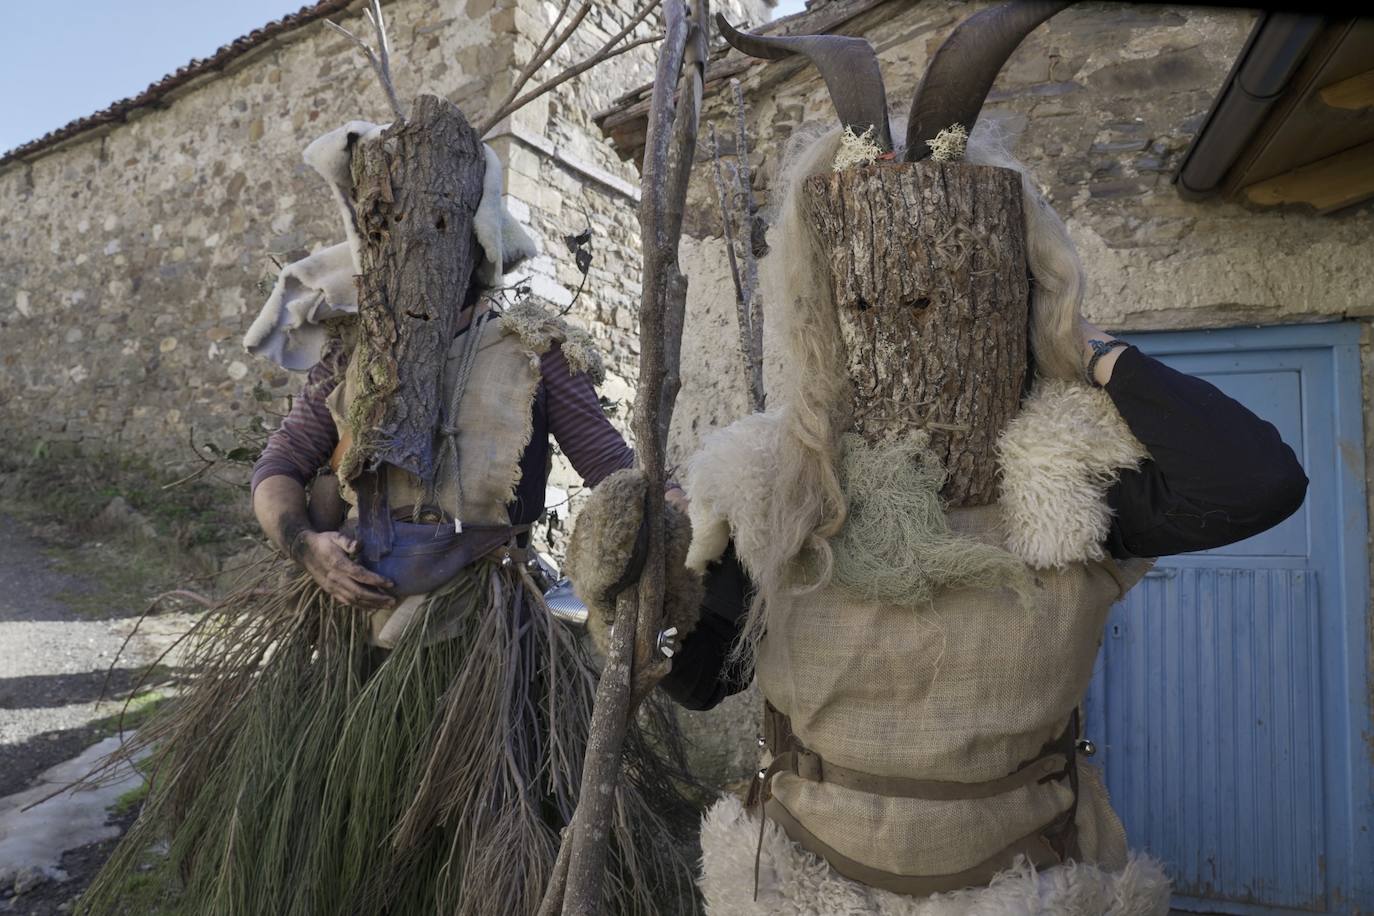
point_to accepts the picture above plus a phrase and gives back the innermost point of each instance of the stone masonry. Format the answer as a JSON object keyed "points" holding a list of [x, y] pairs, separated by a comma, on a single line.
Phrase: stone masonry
{"points": [[133, 257]]}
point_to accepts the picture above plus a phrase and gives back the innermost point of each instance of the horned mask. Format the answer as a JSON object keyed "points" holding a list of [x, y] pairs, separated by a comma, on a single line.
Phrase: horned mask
{"points": [[925, 266]]}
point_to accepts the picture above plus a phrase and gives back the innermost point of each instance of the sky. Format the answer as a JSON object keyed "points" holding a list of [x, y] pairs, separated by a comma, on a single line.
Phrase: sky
{"points": [[70, 58]]}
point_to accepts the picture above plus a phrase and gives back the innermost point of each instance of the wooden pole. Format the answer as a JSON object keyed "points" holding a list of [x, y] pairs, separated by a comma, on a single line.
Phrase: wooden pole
{"points": [[633, 664]]}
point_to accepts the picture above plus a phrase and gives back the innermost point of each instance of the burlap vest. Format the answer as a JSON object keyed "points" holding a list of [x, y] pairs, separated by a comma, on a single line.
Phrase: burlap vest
{"points": [[963, 691], [494, 423], [924, 748], [494, 420]]}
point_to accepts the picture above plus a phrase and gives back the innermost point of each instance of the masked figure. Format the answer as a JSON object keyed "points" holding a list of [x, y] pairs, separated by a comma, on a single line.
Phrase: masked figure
{"points": [[400, 728], [923, 650]]}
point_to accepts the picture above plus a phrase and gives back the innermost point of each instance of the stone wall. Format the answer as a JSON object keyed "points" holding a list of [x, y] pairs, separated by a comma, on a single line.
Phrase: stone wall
{"points": [[133, 258]]}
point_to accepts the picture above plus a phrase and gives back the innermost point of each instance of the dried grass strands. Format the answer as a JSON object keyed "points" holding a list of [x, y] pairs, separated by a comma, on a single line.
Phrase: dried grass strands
{"points": [[304, 773], [267, 665]]}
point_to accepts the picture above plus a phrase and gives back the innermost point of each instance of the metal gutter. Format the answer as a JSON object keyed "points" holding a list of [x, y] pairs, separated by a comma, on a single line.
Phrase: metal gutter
{"points": [[1277, 46]]}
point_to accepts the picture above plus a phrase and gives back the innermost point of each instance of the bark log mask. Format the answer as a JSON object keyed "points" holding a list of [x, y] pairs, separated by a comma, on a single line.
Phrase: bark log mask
{"points": [[289, 329], [927, 265]]}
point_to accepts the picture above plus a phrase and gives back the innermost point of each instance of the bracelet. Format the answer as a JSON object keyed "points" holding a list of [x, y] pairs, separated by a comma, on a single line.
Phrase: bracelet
{"points": [[1100, 349]]}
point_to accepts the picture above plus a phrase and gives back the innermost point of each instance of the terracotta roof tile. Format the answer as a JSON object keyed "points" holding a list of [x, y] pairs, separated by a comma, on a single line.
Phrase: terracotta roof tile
{"points": [[119, 111]]}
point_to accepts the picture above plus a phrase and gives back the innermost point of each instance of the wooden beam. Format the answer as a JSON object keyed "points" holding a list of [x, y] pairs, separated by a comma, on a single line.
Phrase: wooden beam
{"points": [[1356, 93], [1327, 184]]}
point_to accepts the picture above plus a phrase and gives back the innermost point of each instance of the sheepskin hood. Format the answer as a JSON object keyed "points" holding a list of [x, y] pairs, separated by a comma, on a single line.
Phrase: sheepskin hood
{"points": [[314, 289]]}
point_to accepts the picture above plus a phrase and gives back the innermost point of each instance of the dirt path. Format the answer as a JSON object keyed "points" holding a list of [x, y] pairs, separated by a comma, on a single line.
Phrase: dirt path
{"points": [[57, 643]]}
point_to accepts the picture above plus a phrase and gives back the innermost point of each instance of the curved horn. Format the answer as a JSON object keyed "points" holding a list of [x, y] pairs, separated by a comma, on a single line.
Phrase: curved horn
{"points": [[962, 71], [848, 65]]}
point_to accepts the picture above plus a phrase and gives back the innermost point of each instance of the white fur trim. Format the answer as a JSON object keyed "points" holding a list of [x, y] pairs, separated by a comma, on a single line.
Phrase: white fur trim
{"points": [[331, 155], [730, 482], [504, 242], [1058, 456], [288, 330], [793, 882]]}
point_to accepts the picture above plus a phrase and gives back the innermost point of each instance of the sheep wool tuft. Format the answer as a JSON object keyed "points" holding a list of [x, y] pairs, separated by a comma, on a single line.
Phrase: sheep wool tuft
{"points": [[603, 545], [794, 882], [1058, 457]]}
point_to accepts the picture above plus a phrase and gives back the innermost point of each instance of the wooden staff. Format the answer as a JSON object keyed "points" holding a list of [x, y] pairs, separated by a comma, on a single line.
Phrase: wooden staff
{"points": [[633, 664]]}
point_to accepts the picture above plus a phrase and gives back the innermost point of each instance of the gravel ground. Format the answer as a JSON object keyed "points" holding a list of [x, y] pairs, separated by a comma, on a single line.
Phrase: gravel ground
{"points": [[54, 664]]}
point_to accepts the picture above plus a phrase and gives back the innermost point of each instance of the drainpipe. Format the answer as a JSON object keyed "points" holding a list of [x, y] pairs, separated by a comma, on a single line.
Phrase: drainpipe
{"points": [[1272, 54]]}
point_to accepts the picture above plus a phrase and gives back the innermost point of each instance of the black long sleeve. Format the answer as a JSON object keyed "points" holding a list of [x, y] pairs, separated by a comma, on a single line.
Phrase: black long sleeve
{"points": [[703, 673], [1216, 474]]}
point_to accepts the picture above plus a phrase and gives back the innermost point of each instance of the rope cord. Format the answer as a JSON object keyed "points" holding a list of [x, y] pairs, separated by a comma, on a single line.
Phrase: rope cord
{"points": [[448, 448]]}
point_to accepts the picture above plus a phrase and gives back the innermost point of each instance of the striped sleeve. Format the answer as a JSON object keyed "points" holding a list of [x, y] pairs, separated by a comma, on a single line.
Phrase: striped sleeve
{"points": [[306, 438], [578, 423]]}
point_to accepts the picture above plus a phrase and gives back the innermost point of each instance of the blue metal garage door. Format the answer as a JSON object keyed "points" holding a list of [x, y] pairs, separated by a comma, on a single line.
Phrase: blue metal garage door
{"points": [[1231, 701]]}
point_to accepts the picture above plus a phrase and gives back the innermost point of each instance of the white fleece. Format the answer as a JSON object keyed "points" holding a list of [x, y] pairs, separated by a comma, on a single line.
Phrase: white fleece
{"points": [[729, 480], [1058, 456], [794, 882], [288, 330], [331, 156]]}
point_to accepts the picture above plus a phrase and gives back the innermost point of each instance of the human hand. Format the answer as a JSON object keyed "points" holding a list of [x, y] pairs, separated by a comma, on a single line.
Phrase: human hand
{"points": [[676, 497], [328, 557]]}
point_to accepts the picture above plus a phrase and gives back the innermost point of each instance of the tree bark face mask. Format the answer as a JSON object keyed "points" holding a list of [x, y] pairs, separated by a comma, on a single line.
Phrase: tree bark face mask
{"points": [[927, 258], [927, 266]]}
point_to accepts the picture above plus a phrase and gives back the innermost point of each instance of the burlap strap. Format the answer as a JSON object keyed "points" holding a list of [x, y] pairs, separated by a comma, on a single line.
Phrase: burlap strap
{"points": [[791, 756], [1034, 846], [1048, 845]]}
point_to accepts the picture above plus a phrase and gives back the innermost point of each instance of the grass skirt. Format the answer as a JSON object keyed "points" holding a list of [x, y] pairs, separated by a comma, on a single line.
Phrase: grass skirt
{"points": [[304, 772]]}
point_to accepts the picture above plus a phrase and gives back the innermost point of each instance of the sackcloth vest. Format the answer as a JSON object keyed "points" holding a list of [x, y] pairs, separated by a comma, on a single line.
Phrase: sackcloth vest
{"points": [[917, 755], [494, 423]]}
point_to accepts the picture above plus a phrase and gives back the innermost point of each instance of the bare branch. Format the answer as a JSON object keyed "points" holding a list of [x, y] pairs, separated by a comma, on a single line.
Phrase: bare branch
{"points": [[548, 46], [572, 72], [746, 349], [747, 208], [539, 57], [552, 903], [380, 59], [514, 101], [667, 165]]}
